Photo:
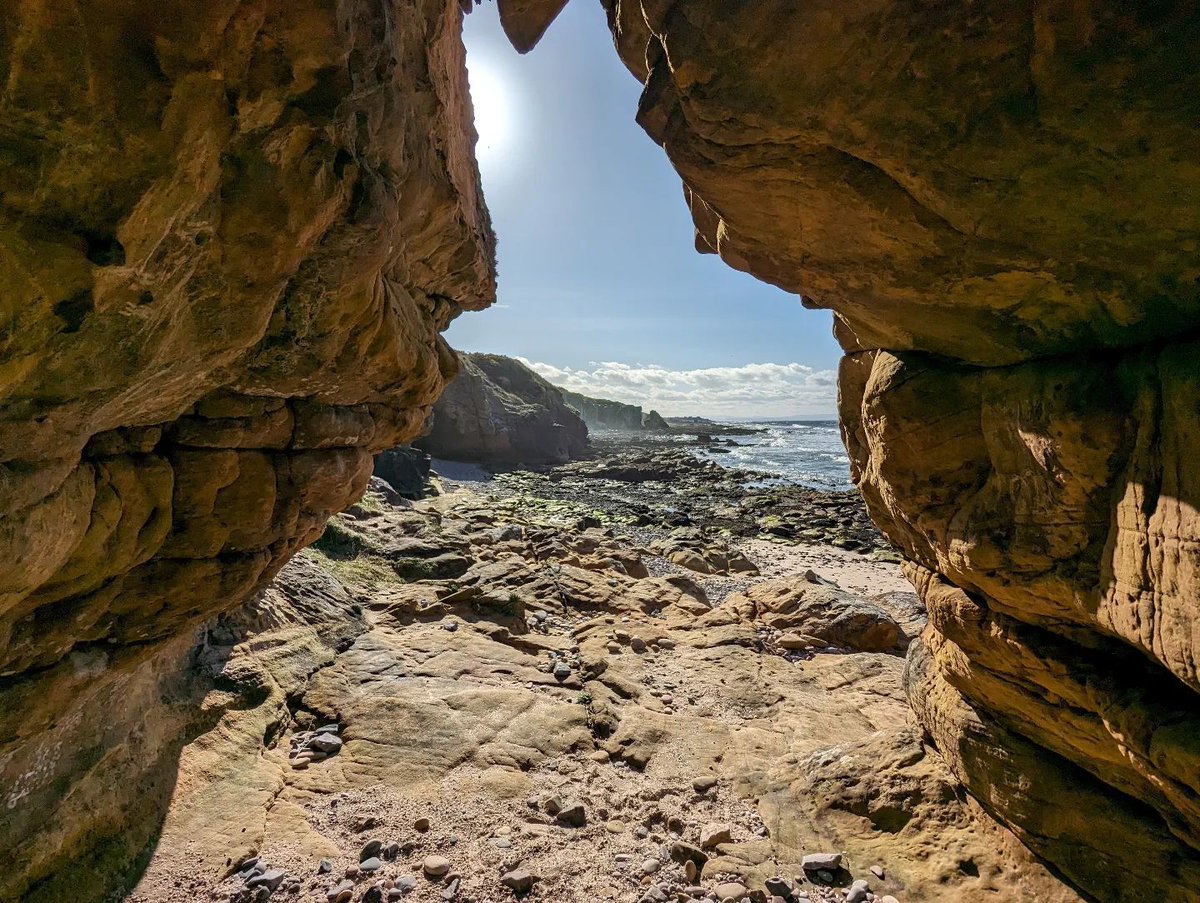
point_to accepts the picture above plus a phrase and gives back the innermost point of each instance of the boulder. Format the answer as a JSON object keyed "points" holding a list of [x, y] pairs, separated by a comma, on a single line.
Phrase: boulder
{"points": [[405, 469], [807, 610]]}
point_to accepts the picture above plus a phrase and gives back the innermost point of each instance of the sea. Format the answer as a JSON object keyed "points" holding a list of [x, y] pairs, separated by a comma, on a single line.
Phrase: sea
{"points": [[808, 452]]}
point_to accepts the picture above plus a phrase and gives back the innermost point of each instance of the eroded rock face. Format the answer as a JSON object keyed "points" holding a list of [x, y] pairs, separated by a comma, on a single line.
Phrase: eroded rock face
{"points": [[498, 411], [998, 206], [231, 233]]}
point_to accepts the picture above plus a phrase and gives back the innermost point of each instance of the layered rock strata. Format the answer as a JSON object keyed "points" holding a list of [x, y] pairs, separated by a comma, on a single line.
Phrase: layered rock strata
{"points": [[601, 413], [498, 411], [999, 206], [231, 234]]}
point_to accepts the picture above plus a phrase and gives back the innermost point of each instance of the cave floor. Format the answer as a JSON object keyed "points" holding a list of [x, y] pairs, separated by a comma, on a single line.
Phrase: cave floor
{"points": [[515, 691]]}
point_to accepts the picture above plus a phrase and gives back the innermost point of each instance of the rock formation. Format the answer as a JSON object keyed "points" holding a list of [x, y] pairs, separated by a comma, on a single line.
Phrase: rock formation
{"points": [[231, 234], [405, 469], [603, 414], [499, 411], [999, 205], [556, 677]]}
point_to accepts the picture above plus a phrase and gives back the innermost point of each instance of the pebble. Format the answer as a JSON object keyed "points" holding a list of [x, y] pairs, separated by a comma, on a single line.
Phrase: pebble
{"points": [[373, 894], [370, 848], [779, 886], [815, 862], [730, 891], [328, 729], [858, 891], [519, 881], [406, 883], [713, 835], [615, 827], [637, 644], [435, 866], [562, 671], [421, 824], [500, 843], [326, 743], [704, 783], [450, 626], [877, 872], [888, 898], [451, 889], [373, 864], [650, 866], [270, 879], [613, 647], [682, 851], [690, 872], [572, 814], [324, 866], [341, 893]]}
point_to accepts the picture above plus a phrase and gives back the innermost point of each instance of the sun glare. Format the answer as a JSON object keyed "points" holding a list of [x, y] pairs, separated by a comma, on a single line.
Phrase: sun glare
{"points": [[493, 112]]}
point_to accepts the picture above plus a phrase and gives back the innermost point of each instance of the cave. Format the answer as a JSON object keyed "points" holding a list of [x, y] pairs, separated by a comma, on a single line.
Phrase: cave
{"points": [[233, 233]]}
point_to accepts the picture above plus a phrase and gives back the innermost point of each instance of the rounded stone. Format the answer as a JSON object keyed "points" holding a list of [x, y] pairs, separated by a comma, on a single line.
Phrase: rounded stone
{"points": [[730, 892]]}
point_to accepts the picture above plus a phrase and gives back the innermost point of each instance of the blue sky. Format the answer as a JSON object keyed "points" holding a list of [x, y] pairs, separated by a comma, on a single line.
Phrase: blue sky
{"points": [[600, 284]]}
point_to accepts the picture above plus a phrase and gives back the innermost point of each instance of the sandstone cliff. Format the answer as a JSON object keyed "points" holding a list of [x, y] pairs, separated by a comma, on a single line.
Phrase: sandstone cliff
{"points": [[231, 234], [999, 204], [499, 411]]}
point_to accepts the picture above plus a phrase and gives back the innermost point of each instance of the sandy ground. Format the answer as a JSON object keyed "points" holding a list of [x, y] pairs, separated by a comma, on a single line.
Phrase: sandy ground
{"points": [[849, 570]]}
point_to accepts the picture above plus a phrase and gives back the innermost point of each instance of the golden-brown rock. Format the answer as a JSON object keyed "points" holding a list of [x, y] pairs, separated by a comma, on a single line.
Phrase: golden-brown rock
{"points": [[230, 234], [998, 205]]}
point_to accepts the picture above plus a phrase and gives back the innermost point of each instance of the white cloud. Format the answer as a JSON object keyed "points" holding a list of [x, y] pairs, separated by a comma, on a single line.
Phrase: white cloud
{"points": [[748, 391]]}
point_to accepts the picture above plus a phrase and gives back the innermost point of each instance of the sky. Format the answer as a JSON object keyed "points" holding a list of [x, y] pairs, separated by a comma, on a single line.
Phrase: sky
{"points": [[600, 286]]}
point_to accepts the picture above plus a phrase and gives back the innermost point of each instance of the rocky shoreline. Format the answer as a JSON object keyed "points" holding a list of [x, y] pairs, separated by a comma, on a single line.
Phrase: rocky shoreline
{"points": [[616, 679]]}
